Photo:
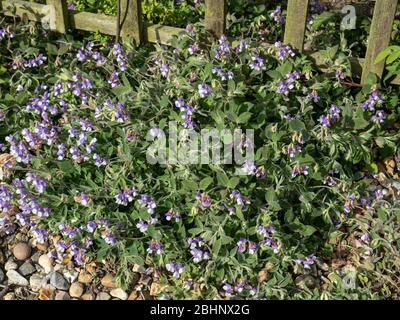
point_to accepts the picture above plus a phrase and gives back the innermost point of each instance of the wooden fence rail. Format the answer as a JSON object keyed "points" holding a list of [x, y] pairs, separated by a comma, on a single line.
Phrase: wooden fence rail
{"points": [[60, 19]]}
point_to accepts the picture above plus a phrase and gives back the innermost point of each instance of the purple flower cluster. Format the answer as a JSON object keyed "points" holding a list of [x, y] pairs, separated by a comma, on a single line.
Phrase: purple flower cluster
{"points": [[241, 46], [223, 75], [197, 250], [308, 261], [171, 214], [313, 96], [4, 33], [204, 90], [187, 113], [126, 196], [299, 169], [331, 117], [38, 183], [268, 241], [114, 80], [375, 98], [120, 57], [204, 199], [257, 63], [230, 290], [350, 203], [278, 16], [284, 50], [155, 247], [32, 63], [378, 117], [286, 85], [19, 149], [293, 150], [224, 50], [175, 268], [86, 53], [243, 244]]}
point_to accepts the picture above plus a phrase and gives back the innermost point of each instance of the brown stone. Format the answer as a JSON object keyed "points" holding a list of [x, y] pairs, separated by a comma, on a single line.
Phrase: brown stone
{"points": [[87, 296], [108, 281], [22, 251], [85, 277]]}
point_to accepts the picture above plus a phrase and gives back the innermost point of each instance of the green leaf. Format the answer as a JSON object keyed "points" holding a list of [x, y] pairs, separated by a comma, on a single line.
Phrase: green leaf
{"points": [[297, 125], [222, 179], [216, 247], [204, 183]]}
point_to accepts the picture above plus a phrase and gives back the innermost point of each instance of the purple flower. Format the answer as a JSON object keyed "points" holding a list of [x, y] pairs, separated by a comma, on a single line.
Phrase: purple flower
{"points": [[284, 51], [241, 244], [365, 237], [249, 167], [252, 247], [164, 70], [228, 289], [204, 90], [277, 15], [257, 63], [91, 226], [155, 247], [379, 117], [175, 268], [374, 99], [142, 226]]}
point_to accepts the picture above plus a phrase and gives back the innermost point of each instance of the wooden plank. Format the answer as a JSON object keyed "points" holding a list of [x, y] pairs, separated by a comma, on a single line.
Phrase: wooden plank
{"points": [[32, 11], [60, 15], [296, 21], [215, 19], [94, 22], [379, 36], [162, 34], [131, 20]]}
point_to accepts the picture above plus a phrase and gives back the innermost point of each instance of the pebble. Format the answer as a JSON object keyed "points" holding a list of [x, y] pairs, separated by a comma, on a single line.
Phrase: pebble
{"points": [[58, 281], [119, 293], [62, 295], [133, 295], [15, 278], [22, 251], [85, 278], [35, 282], [10, 265], [35, 257], [88, 296], [108, 281], [103, 296], [46, 263], [9, 296], [1, 276], [71, 276], [26, 269], [76, 290]]}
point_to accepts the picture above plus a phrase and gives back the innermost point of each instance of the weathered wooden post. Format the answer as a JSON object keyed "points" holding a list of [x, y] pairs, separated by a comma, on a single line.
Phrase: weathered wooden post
{"points": [[379, 36], [215, 19], [296, 21], [60, 15], [131, 20]]}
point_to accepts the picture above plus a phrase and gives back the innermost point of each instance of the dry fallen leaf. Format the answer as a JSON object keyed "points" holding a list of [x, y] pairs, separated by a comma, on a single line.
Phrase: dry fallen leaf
{"points": [[45, 294]]}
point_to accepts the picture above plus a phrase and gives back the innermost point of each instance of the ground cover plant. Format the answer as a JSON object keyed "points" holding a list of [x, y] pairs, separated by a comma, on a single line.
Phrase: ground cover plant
{"points": [[316, 216]]}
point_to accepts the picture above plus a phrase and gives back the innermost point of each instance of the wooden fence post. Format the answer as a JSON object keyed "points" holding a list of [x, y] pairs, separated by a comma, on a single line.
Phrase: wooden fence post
{"points": [[296, 21], [61, 16], [131, 20], [215, 19], [379, 36]]}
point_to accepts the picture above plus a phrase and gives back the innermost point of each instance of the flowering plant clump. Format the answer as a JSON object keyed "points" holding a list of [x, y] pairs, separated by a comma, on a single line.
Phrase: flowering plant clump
{"points": [[76, 128]]}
